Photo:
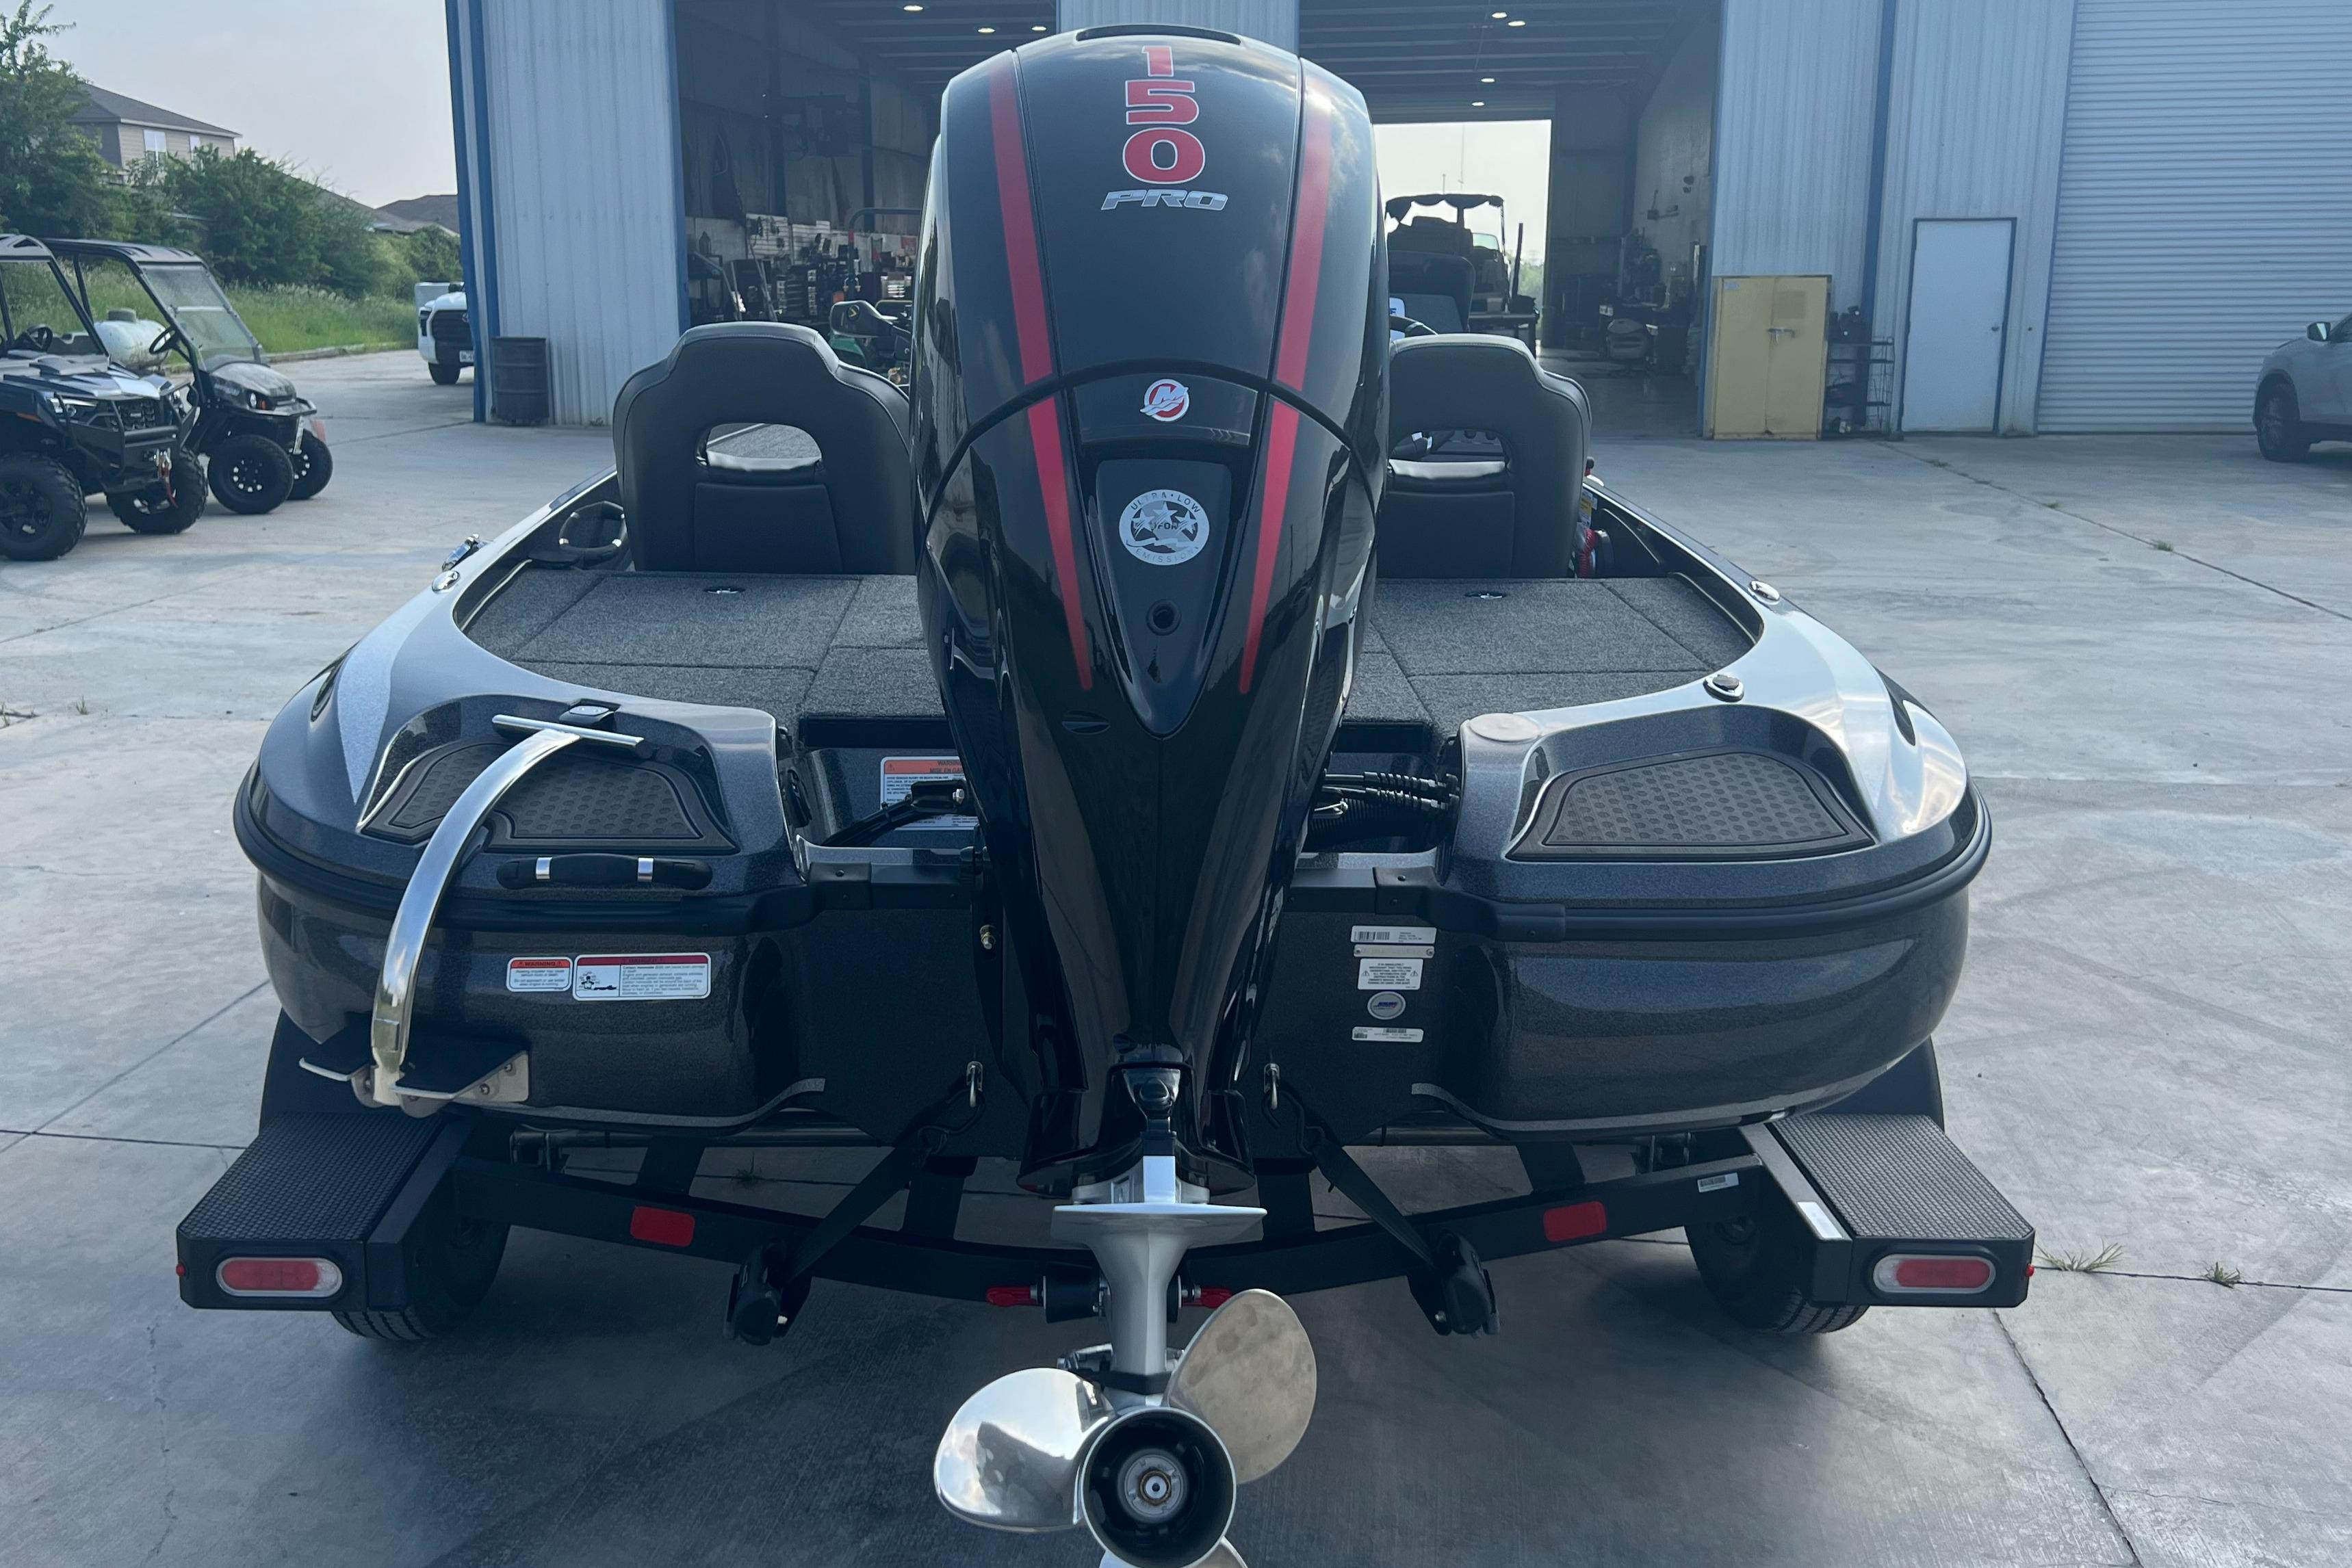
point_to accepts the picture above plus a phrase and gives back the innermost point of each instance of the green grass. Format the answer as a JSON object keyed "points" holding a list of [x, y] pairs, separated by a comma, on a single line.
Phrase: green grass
{"points": [[2098, 1263], [289, 320]]}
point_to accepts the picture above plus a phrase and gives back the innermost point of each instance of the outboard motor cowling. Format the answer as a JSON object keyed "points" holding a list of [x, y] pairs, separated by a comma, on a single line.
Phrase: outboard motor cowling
{"points": [[1149, 383]]}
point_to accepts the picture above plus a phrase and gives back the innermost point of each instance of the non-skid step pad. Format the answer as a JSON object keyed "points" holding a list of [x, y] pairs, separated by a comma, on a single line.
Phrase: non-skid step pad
{"points": [[1900, 1178], [313, 1179]]}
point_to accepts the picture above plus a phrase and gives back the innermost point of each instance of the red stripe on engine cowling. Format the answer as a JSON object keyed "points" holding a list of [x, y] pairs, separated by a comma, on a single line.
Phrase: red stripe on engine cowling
{"points": [[1053, 483], [1026, 275], [1021, 264], [1298, 333]]}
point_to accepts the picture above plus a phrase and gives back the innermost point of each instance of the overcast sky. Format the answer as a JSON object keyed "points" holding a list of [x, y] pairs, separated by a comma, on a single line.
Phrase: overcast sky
{"points": [[355, 93]]}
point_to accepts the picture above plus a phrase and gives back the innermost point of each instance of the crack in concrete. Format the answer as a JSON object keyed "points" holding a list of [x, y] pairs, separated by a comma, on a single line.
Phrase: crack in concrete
{"points": [[2082, 1463], [1959, 472], [162, 1446], [217, 1013]]}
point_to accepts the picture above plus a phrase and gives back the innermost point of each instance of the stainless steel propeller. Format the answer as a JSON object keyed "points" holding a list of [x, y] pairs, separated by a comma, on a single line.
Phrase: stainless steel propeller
{"points": [[1015, 1456], [1250, 1374], [1010, 1458]]}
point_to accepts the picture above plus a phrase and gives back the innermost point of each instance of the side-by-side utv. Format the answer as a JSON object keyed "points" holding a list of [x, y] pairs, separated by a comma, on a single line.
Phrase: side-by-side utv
{"points": [[1107, 760], [73, 424], [262, 442]]}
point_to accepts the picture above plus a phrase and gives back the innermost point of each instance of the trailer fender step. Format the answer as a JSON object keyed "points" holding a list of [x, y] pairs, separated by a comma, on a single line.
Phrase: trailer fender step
{"points": [[319, 1212], [1897, 1214]]}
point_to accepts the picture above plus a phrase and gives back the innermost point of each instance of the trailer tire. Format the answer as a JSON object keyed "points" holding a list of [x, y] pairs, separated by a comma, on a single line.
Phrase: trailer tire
{"points": [[251, 474], [453, 1272], [1755, 1267], [313, 466], [156, 510], [42, 513], [443, 375]]}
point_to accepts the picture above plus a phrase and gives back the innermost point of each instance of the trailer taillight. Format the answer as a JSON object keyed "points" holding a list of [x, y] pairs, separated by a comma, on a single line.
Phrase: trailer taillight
{"points": [[311, 1278], [661, 1226], [1932, 1274], [1574, 1222], [1013, 1296]]}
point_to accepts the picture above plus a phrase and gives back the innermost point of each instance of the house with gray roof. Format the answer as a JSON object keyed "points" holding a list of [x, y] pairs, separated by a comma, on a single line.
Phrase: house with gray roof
{"points": [[126, 130]]}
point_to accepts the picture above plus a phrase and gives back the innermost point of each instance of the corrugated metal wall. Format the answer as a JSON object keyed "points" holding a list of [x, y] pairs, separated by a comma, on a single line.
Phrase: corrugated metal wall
{"points": [[1792, 139], [2205, 208], [1976, 107], [569, 154], [1276, 21]]}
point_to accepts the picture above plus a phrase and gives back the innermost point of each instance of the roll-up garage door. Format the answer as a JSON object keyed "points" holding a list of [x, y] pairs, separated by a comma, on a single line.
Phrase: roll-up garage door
{"points": [[2204, 206]]}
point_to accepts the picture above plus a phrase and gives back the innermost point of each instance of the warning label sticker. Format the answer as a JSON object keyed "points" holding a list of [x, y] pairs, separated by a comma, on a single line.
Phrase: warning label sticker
{"points": [[900, 774], [1388, 973], [1395, 935], [1366, 1035], [641, 978], [539, 974]]}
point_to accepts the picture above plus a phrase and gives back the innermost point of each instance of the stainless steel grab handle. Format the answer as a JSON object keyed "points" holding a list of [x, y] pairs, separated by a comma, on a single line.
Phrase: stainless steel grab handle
{"points": [[403, 945]]}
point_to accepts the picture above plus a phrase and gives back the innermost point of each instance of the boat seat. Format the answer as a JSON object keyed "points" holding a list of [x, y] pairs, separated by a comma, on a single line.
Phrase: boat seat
{"points": [[1512, 516], [695, 503]]}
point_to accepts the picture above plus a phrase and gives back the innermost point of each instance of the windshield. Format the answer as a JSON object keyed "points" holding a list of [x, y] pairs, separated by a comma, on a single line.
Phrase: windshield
{"points": [[37, 314], [203, 313]]}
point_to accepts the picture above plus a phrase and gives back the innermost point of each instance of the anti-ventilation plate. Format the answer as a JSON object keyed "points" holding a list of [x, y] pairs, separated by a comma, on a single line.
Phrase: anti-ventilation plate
{"points": [[1716, 805]]}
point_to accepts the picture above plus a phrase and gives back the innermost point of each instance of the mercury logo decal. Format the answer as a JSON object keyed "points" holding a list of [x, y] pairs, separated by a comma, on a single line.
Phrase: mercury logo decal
{"points": [[1167, 399], [1162, 153], [1163, 527]]}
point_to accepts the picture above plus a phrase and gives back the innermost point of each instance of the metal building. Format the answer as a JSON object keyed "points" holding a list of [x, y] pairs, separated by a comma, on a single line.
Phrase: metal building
{"points": [[2022, 215]]}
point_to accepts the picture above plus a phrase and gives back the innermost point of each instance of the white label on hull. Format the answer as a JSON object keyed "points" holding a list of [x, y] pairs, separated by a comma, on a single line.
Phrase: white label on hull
{"points": [[1390, 950], [1388, 973], [642, 978], [900, 774], [1395, 935], [539, 974], [1387, 1036]]}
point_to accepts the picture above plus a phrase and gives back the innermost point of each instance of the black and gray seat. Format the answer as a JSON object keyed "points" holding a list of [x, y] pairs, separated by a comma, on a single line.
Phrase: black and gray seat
{"points": [[1479, 513], [696, 502]]}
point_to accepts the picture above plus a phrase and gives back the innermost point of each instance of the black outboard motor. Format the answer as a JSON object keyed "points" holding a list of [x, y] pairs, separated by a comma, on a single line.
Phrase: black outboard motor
{"points": [[1148, 382]]}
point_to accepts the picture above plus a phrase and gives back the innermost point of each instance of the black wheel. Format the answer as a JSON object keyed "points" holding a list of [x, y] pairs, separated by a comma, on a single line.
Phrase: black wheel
{"points": [[1756, 1269], [443, 375], [42, 513], [454, 1270], [2278, 425], [163, 508], [251, 474], [313, 466]]}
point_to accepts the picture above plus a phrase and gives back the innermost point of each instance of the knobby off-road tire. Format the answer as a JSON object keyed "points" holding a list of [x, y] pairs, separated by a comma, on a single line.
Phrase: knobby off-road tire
{"points": [[42, 513], [454, 1270], [161, 510], [251, 474], [313, 466]]}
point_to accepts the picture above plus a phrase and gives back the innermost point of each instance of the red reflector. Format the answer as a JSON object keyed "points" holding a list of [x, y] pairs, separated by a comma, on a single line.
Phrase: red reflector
{"points": [[1212, 1297], [662, 1227], [1900, 1273], [1574, 1222], [1012, 1296], [278, 1277]]}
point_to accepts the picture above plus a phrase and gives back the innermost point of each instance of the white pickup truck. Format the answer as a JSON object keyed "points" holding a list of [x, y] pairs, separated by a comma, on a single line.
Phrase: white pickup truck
{"points": [[445, 334]]}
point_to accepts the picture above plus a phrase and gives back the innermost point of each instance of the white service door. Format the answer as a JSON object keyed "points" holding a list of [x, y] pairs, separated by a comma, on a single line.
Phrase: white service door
{"points": [[1959, 312]]}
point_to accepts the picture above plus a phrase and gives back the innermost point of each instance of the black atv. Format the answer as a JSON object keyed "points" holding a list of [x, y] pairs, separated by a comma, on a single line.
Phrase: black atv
{"points": [[72, 424], [261, 441]]}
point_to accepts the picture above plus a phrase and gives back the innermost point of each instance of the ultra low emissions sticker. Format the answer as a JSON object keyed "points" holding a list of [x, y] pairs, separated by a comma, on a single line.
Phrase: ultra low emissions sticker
{"points": [[900, 774], [641, 978], [1388, 973]]}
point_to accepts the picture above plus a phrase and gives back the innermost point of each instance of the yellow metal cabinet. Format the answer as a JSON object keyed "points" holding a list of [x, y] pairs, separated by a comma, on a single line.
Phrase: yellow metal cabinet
{"points": [[1767, 357]]}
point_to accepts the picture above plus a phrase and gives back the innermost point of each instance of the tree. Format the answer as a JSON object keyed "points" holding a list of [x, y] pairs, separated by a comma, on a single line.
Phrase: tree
{"points": [[259, 222], [52, 179]]}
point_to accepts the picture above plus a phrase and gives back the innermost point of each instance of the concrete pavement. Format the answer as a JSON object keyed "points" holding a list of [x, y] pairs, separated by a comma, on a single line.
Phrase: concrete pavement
{"points": [[2148, 1051]]}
